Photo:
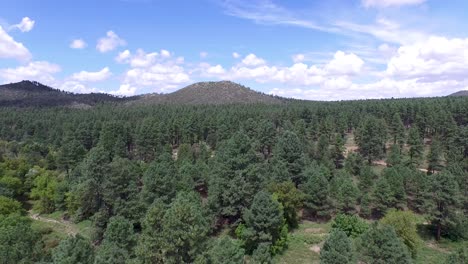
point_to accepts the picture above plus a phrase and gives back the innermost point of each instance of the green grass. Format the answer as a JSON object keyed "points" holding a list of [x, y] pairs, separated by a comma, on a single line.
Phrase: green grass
{"points": [[301, 240], [310, 234]]}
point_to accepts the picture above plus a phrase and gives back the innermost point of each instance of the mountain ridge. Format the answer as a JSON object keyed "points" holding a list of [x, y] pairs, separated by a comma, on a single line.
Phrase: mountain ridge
{"points": [[31, 93]]}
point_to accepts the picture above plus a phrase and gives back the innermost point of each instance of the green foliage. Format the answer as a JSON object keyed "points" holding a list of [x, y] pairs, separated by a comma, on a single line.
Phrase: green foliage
{"points": [[264, 222], [262, 254], [371, 138], [317, 196], [17, 239], [336, 249], [9, 206], [74, 249], [226, 250], [382, 245], [351, 225], [443, 201], [290, 150], [416, 145], [404, 223], [291, 198], [458, 257], [44, 191]]}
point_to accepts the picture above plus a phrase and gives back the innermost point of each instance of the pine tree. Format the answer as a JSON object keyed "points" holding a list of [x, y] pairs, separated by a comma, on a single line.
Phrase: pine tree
{"points": [[317, 196], [435, 157], [371, 138], [289, 149], [336, 249], [226, 251], [74, 249], [382, 245], [444, 200], [394, 157], [397, 130], [416, 146], [263, 222]]}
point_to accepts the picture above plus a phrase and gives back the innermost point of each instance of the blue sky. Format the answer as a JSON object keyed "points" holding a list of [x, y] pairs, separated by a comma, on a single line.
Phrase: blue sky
{"points": [[322, 50]]}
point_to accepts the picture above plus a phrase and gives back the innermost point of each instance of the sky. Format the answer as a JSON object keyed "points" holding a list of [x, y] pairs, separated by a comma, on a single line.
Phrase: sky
{"points": [[307, 49]]}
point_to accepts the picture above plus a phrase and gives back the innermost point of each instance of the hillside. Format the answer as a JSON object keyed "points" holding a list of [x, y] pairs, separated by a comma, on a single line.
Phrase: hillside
{"points": [[30, 93], [223, 92], [460, 93]]}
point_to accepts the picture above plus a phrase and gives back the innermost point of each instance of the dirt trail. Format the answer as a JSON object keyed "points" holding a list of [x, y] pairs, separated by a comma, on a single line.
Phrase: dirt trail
{"points": [[61, 225]]}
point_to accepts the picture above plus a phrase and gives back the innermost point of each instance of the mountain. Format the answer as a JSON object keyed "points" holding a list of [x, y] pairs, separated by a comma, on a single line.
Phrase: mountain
{"points": [[460, 93], [30, 93], [223, 92]]}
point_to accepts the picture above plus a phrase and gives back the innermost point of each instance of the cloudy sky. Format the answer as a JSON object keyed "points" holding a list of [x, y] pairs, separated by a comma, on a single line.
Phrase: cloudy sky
{"points": [[320, 50]]}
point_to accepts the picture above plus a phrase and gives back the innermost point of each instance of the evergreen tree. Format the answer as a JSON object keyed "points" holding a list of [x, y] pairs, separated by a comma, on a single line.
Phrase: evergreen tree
{"points": [[397, 130], [226, 250], [382, 245], [444, 200], [336, 249], [291, 199], [394, 157], [434, 159], [404, 223], [17, 239], [289, 149], [416, 146], [74, 249], [263, 222], [262, 254], [316, 190], [371, 138]]}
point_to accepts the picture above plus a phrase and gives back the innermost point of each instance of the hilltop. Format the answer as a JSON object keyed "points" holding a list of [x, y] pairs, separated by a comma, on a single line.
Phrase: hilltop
{"points": [[223, 92], [31, 93], [460, 93]]}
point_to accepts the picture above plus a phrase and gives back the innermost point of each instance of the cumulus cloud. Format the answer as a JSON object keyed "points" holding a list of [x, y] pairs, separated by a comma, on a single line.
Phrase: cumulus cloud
{"points": [[10, 49], [86, 76], [298, 57], [110, 42], [41, 71], [390, 3], [159, 70], [76, 87], [253, 60], [344, 64], [25, 25], [203, 54], [78, 44], [236, 55], [125, 90], [438, 58]]}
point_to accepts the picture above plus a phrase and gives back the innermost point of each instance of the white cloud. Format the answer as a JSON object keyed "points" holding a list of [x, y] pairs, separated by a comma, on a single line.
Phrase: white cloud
{"points": [[344, 64], [390, 3], [123, 56], [236, 55], [253, 60], [9, 48], [78, 44], [25, 25], [109, 42], [203, 54], [125, 90], [85, 76], [158, 70], [76, 87], [298, 57], [438, 58], [218, 69], [41, 71]]}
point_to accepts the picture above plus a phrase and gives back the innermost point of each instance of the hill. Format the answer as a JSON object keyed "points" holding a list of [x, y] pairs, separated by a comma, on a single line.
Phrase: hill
{"points": [[223, 92], [30, 93], [460, 93]]}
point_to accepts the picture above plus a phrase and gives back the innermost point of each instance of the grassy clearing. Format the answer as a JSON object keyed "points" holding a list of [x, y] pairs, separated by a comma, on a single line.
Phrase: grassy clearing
{"points": [[306, 240], [304, 243]]}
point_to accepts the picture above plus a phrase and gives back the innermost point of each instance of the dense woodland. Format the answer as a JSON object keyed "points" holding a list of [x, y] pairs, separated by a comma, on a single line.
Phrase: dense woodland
{"points": [[229, 183]]}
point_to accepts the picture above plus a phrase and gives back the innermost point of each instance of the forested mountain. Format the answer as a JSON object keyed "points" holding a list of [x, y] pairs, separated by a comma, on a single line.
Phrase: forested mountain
{"points": [[460, 93], [223, 92], [30, 93], [338, 182]]}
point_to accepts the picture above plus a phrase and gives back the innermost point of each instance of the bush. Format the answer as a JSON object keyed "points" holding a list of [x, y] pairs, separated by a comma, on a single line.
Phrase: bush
{"points": [[404, 223], [352, 225]]}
